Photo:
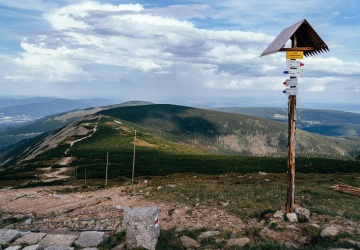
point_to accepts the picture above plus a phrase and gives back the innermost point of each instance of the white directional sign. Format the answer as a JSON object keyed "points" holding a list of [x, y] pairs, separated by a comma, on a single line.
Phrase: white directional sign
{"points": [[294, 72], [291, 91], [294, 64], [292, 82]]}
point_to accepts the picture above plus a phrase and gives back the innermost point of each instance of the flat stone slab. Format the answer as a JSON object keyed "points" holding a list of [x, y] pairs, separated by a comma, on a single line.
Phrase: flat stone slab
{"points": [[33, 247], [8, 236], [90, 239], [13, 248], [58, 240], [30, 239], [59, 248]]}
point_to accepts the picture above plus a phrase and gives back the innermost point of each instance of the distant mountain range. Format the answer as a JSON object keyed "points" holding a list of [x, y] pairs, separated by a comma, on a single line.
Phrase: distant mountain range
{"points": [[163, 129], [324, 122], [15, 111]]}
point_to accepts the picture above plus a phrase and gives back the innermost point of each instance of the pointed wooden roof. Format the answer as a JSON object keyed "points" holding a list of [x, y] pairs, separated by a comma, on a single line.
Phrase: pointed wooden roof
{"points": [[303, 37]]}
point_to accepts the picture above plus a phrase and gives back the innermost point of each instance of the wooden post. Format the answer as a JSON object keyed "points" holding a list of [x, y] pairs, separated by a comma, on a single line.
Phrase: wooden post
{"points": [[85, 176], [133, 166], [107, 165], [290, 199]]}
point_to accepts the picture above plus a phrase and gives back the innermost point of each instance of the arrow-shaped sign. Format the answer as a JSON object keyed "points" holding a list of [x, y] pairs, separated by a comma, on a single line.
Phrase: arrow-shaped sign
{"points": [[294, 72], [291, 91], [292, 82], [294, 64]]}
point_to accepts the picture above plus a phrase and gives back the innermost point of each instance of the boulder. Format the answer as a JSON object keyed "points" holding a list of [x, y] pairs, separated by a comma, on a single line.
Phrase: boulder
{"points": [[142, 226]]}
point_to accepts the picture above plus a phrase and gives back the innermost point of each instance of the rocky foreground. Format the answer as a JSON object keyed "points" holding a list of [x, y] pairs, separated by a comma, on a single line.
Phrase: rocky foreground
{"points": [[41, 218]]}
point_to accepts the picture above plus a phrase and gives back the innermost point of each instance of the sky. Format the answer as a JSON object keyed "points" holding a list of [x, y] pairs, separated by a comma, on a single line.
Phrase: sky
{"points": [[180, 52]]}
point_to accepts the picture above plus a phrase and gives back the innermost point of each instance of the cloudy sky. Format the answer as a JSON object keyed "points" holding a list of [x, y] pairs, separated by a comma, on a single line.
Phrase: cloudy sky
{"points": [[170, 51]]}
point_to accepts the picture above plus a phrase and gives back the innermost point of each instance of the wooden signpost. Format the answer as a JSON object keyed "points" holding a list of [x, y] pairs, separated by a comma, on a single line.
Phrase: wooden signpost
{"points": [[304, 41]]}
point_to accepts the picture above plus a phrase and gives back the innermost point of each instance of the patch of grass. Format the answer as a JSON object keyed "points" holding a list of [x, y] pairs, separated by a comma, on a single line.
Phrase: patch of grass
{"points": [[41, 184]]}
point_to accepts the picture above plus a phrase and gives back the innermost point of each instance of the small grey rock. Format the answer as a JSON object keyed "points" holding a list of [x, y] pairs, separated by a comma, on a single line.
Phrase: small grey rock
{"points": [[239, 242], [279, 215], [188, 242], [303, 214], [13, 248], [33, 247], [208, 234], [329, 232], [30, 239], [292, 217], [59, 248], [90, 239]]}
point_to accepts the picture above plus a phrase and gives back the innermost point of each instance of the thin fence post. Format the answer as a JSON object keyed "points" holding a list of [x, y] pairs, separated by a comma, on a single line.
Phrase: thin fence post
{"points": [[133, 166], [107, 165]]}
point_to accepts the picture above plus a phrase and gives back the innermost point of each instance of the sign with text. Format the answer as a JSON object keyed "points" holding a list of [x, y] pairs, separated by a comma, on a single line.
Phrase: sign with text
{"points": [[292, 82], [294, 72], [294, 64], [290, 91], [294, 54]]}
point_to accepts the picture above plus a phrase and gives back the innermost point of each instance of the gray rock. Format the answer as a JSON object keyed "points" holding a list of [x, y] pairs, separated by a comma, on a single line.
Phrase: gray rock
{"points": [[28, 221], [329, 232], [292, 217], [30, 239], [208, 234], [239, 242], [341, 249], [90, 239], [90, 248], [142, 226], [188, 242], [303, 214], [58, 240], [279, 215], [59, 248], [8, 236], [33, 247], [291, 245], [119, 247], [353, 242], [13, 248]]}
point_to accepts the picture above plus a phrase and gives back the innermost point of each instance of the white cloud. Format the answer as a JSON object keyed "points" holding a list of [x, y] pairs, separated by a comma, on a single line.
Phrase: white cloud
{"points": [[92, 42]]}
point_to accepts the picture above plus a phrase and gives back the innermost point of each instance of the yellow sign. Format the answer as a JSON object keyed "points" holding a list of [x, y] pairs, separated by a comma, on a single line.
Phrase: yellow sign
{"points": [[294, 54]]}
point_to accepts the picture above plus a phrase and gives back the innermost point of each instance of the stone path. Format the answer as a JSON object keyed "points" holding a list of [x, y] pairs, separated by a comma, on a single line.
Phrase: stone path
{"points": [[16, 240]]}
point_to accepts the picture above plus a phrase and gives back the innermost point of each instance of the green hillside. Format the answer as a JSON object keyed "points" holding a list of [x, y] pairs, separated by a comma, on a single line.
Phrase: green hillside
{"points": [[226, 133], [96, 136]]}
